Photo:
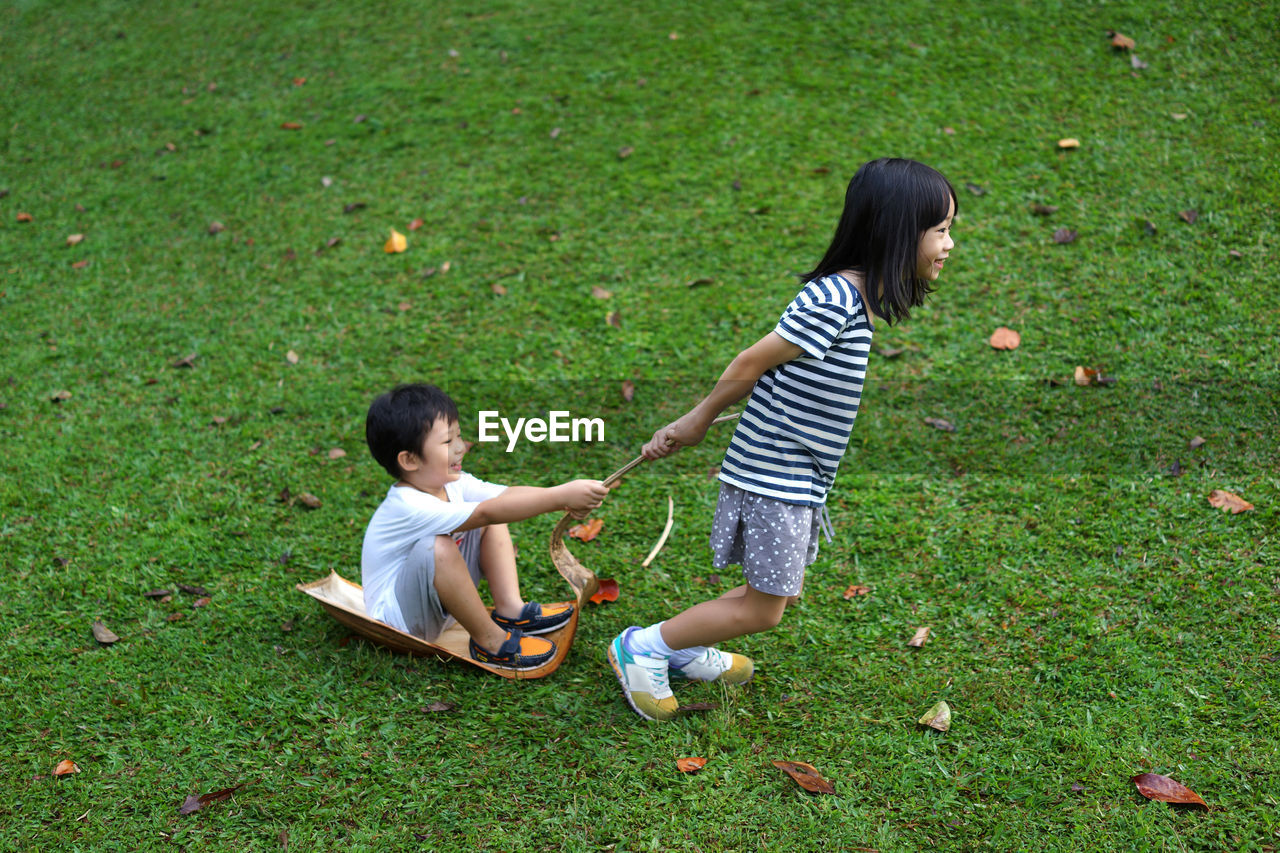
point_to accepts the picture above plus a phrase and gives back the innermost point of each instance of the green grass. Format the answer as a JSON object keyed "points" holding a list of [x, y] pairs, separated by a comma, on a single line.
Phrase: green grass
{"points": [[1093, 617]]}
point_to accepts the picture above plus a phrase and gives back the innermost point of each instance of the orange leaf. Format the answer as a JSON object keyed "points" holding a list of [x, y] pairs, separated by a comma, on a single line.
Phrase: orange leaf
{"points": [[587, 530], [599, 292], [921, 635], [74, 239], [856, 589], [1228, 501], [628, 389], [1005, 338], [66, 767], [690, 765], [1122, 42], [416, 224], [24, 217], [337, 453], [1069, 142], [806, 776], [291, 125], [608, 591], [396, 244], [1153, 786]]}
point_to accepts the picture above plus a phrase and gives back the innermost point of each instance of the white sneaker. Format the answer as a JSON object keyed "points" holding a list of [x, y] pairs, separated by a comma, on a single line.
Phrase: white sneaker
{"points": [[644, 681], [715, 665]]}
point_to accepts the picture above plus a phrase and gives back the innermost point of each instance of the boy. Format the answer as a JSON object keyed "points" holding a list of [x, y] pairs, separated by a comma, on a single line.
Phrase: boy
{"points": [[439, 530]]}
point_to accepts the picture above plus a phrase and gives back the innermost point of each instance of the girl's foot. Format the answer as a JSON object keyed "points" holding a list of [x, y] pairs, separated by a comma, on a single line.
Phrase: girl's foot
{"points": [[715, 665]]}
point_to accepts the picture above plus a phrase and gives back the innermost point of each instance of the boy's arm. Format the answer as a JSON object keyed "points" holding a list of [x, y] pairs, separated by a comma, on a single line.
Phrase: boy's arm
{"points": [[735, 383], [520, 502]]}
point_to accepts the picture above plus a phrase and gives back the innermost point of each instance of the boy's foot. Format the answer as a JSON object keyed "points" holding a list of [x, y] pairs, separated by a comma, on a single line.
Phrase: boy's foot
{"points": [[644, 681], [517, 652], [537, 618], [715, 665]]}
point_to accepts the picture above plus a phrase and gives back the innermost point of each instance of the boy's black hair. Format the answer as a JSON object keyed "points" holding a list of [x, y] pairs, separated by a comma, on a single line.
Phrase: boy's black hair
{"points": [[400, 420], [887, 206]]}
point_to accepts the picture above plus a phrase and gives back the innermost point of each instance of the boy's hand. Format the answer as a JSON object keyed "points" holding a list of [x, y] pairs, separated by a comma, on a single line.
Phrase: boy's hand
{"points": [[685, 432], [582, 496]]}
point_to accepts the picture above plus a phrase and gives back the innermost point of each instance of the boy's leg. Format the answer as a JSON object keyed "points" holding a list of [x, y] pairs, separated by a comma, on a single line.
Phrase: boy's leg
{"points": [[498, 566], [457, 592]]}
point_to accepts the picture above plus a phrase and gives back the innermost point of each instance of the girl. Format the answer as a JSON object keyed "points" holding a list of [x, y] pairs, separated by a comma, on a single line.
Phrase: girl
{"points": [[805, 380]]}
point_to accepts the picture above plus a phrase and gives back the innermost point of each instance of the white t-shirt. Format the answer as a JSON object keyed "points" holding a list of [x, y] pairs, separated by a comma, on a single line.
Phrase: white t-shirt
{"points": [[403, 518]]}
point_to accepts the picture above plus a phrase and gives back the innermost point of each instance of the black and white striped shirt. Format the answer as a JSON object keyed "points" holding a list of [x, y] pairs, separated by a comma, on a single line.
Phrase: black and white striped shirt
{"points": [[789, 441]]}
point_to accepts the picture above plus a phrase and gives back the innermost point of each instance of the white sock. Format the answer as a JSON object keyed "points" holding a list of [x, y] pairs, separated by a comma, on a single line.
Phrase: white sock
{"points": [[681, 657], [648, 641]]}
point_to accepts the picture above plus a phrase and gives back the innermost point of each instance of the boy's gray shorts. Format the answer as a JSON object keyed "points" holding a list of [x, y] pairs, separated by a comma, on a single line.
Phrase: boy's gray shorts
{"points": [[772, 541], [415, 588]]}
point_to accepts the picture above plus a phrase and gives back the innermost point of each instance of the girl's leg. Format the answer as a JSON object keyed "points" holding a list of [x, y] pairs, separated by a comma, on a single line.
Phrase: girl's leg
{"points": [[732, 615], [498, 567], [458, 596]]}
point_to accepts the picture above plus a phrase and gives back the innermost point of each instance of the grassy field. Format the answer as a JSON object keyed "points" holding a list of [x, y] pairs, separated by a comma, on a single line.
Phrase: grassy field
{"points": [[173, 381]]}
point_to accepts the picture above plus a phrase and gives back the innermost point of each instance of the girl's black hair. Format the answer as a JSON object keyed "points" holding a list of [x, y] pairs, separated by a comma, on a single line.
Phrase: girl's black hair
{"points": [[400, 420], [887, 206]]}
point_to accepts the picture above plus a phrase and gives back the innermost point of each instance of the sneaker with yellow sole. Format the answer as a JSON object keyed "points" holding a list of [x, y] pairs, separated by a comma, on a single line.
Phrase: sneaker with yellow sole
{"points": [[715, 665], [644, 681]]}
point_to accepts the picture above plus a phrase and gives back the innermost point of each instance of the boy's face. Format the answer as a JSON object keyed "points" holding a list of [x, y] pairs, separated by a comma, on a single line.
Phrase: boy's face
{"points": [[441, 456]]}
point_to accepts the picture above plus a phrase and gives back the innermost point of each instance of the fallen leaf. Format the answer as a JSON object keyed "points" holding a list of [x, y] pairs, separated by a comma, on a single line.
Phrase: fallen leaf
{"points": [[1178, 116], [173, 617], [1005, 338], [1069, 143], [190, 589], [1064, 235], [24, 217], [396, 244], [106, 636], [1148, 227], [890, 352], [309, 500], [291, 125], [628, 390], [690, 765], [298, 81], [1231, 502], [938, 717], [157, 593], [694, 707], [79, 265], [587, 530], [939, 423], [806, 776], [697, 282], [1091, 376], [614, 318], [498, 289], [625, 151], [1188, 216], [975, 189], [600, 293], [1153, 786], [439, 707], [216, 227], [185, 361], [1121, 42], [353, 207], [203, 601], [291, 356], [921, 636], [74, 239], [1044, 209], [1136, 63], [326, 181], [337, 453], [416, 224], [60, 396], [856, 589], [193, 803], [608, 591], [1195, 442], [66, 767]]}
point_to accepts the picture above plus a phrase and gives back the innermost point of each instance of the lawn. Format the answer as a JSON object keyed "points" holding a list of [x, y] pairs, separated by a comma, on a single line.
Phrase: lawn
{"points": [[196, 308]]}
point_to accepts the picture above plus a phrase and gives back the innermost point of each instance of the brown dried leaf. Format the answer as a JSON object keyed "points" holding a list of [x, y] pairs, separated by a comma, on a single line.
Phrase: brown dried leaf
{"points": [[1005, 338], [1065, 235], [158, 593], [309, 500], [203, 601], [291, 125], [1195, 442], [74, 239], [291, 356], [186, 361], [1231, 502], [921, 636], [498, 289], [695, 707], [193, 803], [103, 634], [66, 767], [336, 453], [608, 591], [587, 530], [438, 707], [1153, 786], [628, 390], [1044, 209], [806, 776], [190, 589], [416, 224], [1188, 216], [1069, 142], [216, 227], [614, 318], [700, 281], [855, 589], [691, 764], [60, 396], [24, 217], [1121, 42], [600, 293], [625, 151], [939, 423]]}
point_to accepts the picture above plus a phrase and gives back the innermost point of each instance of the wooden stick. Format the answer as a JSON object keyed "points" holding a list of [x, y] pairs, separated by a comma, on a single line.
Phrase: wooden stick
{"points": [[617, 475], [662, 540]]}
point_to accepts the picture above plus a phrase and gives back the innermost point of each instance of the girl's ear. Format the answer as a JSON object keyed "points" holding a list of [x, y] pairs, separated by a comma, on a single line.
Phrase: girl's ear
{"points": [[407, 460]]}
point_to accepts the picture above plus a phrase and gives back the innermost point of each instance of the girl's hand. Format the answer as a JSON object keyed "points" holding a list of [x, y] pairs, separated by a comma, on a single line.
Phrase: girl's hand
{"points": [[685, 432]]}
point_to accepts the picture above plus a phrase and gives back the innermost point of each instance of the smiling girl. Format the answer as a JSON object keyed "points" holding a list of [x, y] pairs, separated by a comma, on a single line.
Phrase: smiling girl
{"points": [[805, 380]]}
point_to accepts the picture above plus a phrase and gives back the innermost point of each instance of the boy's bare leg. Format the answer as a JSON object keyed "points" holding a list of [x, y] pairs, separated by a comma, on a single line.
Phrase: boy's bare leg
{"points": [[459, 597], [498, 566], [731, 615]]}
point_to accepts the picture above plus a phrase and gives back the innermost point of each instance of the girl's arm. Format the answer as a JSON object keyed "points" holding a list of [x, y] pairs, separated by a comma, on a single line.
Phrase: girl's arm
{"points": [[517, 503], [735, 383]]}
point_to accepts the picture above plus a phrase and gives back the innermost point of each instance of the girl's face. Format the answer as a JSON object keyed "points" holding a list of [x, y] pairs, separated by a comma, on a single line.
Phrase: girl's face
{"points": [[935, 245]]}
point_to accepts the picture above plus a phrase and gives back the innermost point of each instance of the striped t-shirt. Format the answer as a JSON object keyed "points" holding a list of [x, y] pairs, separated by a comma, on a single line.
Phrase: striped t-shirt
{"points": [[796, 426]]}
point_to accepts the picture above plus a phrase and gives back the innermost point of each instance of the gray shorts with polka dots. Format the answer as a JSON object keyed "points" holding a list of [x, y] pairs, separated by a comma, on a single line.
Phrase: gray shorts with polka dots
{"points": [[772, 541]]}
